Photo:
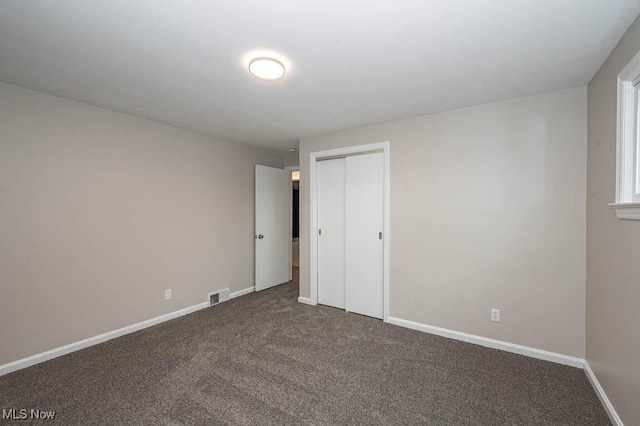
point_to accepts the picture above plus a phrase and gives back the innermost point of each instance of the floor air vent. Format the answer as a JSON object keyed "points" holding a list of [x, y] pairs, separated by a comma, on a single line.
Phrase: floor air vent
{"points": [[218, 296]]}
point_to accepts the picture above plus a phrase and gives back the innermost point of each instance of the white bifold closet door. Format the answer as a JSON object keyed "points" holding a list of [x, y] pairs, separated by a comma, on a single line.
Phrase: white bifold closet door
{"points": [[350, 224]]}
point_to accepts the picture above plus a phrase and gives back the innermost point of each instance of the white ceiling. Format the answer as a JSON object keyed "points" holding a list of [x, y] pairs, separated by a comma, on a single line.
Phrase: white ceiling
{"points": [[352, 62]]}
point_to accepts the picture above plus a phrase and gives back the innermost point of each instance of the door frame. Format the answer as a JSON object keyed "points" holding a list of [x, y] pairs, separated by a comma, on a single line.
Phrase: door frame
{"points": [[314, 157]]}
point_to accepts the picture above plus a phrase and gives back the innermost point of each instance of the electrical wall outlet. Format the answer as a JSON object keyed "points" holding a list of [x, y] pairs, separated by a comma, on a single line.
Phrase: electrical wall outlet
{"points": [[495, 315], [167, 294]]}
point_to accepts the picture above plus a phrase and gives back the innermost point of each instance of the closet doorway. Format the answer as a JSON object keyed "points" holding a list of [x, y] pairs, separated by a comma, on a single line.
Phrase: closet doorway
{"points": [[349, 229]]}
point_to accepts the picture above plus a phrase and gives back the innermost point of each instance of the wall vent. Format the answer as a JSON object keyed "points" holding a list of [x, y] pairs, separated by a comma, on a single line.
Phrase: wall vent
{"points": [[218, 296]]}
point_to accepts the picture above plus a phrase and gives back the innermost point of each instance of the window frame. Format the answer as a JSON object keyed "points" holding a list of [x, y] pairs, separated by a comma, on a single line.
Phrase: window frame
{"points": [[627, 203], [635, 192]]}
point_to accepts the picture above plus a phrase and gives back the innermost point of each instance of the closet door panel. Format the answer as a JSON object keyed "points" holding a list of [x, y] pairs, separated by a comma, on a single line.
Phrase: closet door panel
{"points": [[331, 227], [364, 224]]}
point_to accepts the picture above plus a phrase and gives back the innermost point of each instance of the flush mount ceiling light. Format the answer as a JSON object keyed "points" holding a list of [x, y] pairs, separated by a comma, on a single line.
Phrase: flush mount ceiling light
{"points": [[265, 68]]}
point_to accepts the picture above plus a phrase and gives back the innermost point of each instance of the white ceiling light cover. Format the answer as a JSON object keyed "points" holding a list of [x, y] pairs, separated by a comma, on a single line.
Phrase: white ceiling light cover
{"points": [[266, 68]]}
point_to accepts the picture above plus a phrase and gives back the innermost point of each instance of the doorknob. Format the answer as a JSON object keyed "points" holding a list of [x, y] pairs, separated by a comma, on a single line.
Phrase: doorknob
{"points": [[259, 236]]}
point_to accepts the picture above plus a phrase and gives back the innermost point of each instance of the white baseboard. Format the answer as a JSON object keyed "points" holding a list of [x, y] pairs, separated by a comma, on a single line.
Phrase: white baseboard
{"points": [[304, 300], [76, 346], [608, 406], [242, 292], [490, 343]]}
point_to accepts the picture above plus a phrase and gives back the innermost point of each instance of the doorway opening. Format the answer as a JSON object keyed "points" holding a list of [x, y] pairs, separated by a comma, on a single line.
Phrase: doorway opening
{"points": [[295, 221], [295, 218]]}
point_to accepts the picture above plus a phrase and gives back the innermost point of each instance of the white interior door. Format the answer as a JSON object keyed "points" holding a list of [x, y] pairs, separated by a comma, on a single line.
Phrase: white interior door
{"points": [[331, 236], [272, 227], [364, 226]]}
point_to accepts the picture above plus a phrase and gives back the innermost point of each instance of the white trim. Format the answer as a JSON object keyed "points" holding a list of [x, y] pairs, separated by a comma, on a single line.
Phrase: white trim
{"points": [[76, 346], [313, 230], [608, 406], [627, 210], [305, 300], [490, 343], [313, 211], [242, 292]]}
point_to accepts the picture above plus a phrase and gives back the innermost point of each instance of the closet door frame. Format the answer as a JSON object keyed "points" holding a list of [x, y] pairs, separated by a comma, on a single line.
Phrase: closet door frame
{"points": [[314, 157]]}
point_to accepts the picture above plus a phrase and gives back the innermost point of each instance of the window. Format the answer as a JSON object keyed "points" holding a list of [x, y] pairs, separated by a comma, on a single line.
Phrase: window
{"points": [[627, 203]]}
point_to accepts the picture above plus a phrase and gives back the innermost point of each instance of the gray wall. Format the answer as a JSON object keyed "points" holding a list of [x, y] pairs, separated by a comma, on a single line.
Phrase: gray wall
{"points": [[613, 248], [487, 211], [291, 159], [101, 212]]}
